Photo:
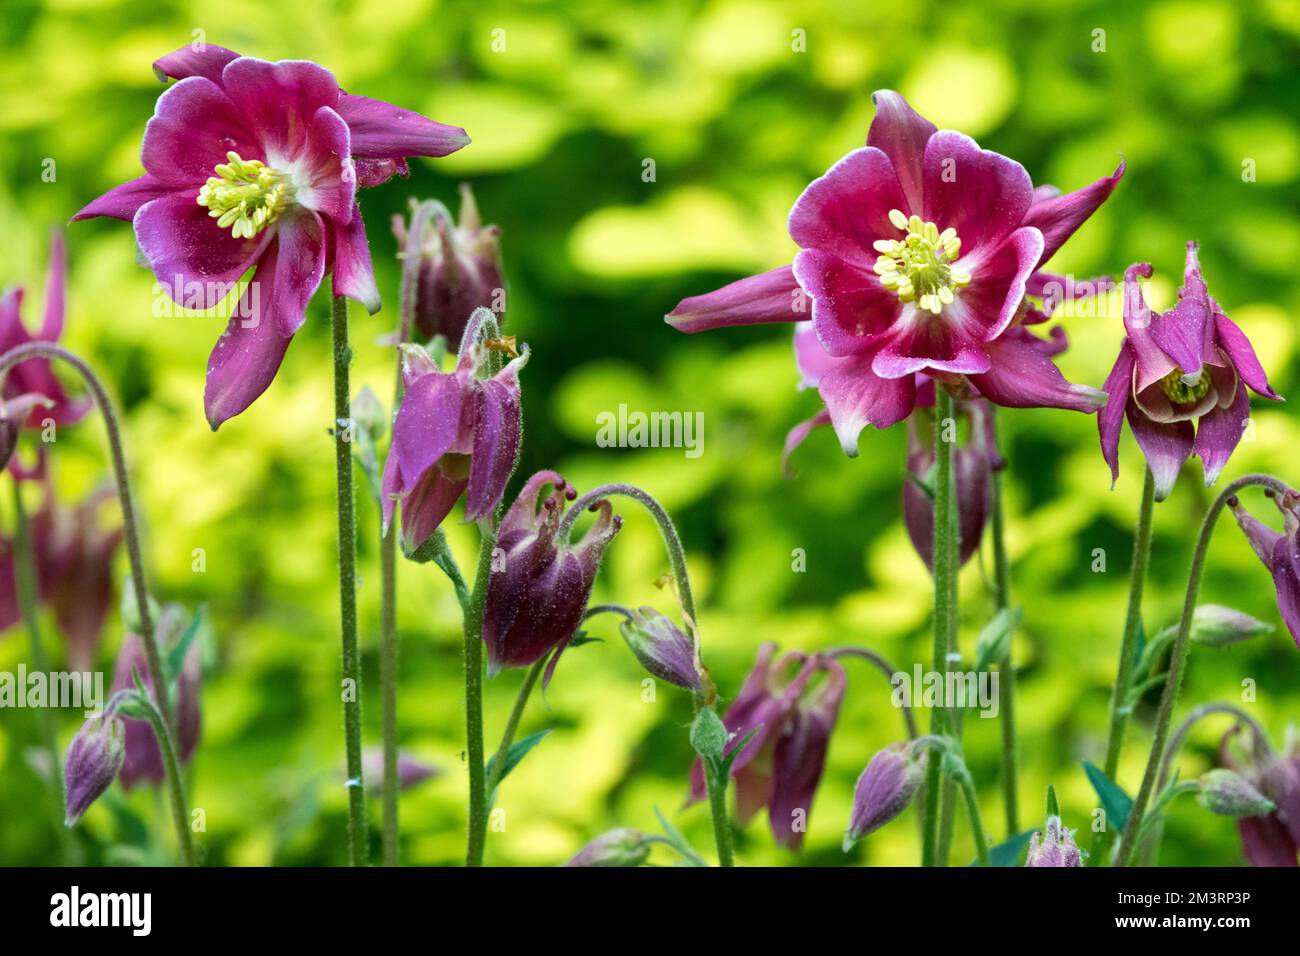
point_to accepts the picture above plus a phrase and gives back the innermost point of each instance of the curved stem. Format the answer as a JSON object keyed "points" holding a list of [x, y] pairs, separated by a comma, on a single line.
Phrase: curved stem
{"points": [[512, 726], [1007, 669], [1119, 704], [717, 789], [130, 530], [175, 785], [881, 664], [607, 609], [348, 584], [1178, 658], [945, 599], [25, 579], [967, 788], [473, 646]]}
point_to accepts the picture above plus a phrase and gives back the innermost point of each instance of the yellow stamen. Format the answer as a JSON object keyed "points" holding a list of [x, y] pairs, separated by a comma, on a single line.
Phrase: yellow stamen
{"points": [[245, 196], [918, 267]]}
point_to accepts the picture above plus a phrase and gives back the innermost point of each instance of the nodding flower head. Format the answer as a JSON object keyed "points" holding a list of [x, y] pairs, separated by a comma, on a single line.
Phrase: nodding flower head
{"points": [[884, 789], [1270, 838], [538, 593], [251, 164], [662, 648], [454, 433], [94, 758], [1190, 364], [1280, 552], [621, 847], [457, 267], [1053, 846], [792, 703]]}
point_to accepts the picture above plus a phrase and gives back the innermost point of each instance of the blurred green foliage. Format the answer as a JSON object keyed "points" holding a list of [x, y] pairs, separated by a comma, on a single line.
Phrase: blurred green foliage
{"points": [[565, 103]]}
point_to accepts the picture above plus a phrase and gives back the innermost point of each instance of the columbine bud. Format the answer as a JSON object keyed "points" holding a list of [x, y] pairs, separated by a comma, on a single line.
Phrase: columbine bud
{"points": [[536, 598], [1230, 794], [410, 771], [1214, 625], [622, 847], [661, 647], [368, 413], [1057, 848], [94, 758], [884, 790], [459, 270]]}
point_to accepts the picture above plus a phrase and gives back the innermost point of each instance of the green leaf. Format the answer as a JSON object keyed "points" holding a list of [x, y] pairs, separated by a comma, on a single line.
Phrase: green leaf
{"points": [[1053, 808], [1008, 852], [176, 656], [679, 842], [995, 640], [724, 766], [582, 637], [1114, 800], [518, 750]]}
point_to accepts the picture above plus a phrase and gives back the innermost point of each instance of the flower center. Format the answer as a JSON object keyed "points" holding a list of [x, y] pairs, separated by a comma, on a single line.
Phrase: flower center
{"points": [[245, 195], [918, 267], [1182, 389]]}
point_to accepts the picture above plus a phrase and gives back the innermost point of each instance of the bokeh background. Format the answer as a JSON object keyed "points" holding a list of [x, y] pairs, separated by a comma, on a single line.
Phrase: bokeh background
{"points": [[737, 120]]}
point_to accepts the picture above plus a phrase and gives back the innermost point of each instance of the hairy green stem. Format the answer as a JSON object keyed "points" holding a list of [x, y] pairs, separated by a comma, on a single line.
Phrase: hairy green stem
{"points": [[945, 605], [1007, 669], [357, 837], [175, 785], [25, 579], [512, 726], [1178, 658], [967, 787], [474, 697], [881, 663]]}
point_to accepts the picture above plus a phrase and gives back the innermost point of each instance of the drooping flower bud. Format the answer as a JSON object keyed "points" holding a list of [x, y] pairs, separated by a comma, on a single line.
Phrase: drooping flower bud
{"points": [[621, 847], [94, 758], [410, 771], [454, 434], [144, 760], [1230, 794], [661, 647], [1214, 625], [1056, 848], [884, 789], [536, 598], [459, 269], [1273, 838]]}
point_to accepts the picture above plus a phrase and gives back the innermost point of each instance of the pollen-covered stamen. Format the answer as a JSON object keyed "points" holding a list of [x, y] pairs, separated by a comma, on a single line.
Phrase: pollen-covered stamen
{"points": [[918, 267], [245, 195], [1183, 389]]}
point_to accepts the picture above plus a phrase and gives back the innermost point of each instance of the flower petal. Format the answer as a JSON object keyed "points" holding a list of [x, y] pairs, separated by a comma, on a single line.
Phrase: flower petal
{"points": [[56, 287], [855, 397], [298, 268], [1057, 216], [901, 134], [376, 172], [498, 431], [981, 194], [849, 306], [1218, 432], [997, 286], [845, 211], [279, 101], [1286, 581], [1110, 419], [1151, 363], [772, 296], [428, 425], [243, 363], [1186, 332], [1165, 445], [921, 341], [796, 437], [354, 273], [810, 358], [426, 505], [1023, 376], [122, 202], [381, 130], [197, 59], [194, 125], [328, 179], [1233, 341]]}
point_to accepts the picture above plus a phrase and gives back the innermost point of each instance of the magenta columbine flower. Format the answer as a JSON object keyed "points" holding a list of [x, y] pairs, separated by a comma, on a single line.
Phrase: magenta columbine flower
{"points": [[917, 251], [251, 164], [31, 392], [535, 602], [1190, 363], [144, 760], [93, 760], [794, 702], [1053, 846], [1269, 839], [885, 789], [458, 269], [454, 431], [1280, 553], [662, 648]]}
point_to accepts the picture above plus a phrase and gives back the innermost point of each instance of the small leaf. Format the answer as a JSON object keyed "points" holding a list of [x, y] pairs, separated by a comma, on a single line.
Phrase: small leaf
{"points": [[725, 766], [1008, 852], [995, 640], [518, 750], [176, 656], [1053, 808], [679, 842], [1114, 800], [582, 637]]}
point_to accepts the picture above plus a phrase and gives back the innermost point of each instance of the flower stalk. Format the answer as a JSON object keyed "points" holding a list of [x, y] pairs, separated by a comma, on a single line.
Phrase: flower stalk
{"points": [[1007, 669], [1178, 658], [474, 696], [357, 840], [175, 785]]}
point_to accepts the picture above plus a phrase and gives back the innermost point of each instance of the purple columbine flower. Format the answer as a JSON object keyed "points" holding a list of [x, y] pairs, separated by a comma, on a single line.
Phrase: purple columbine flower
{"points": [[536, 600], [251, 164], [459, 269], [794, 702], [917, 251], [1279, 552], [1053, 846], [144, 760], [662, 648], [32, 393], [885, 789], [1190, 363], [94, 758], [1270, 839], [454, 432], [410, 770], [621, 847]]}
